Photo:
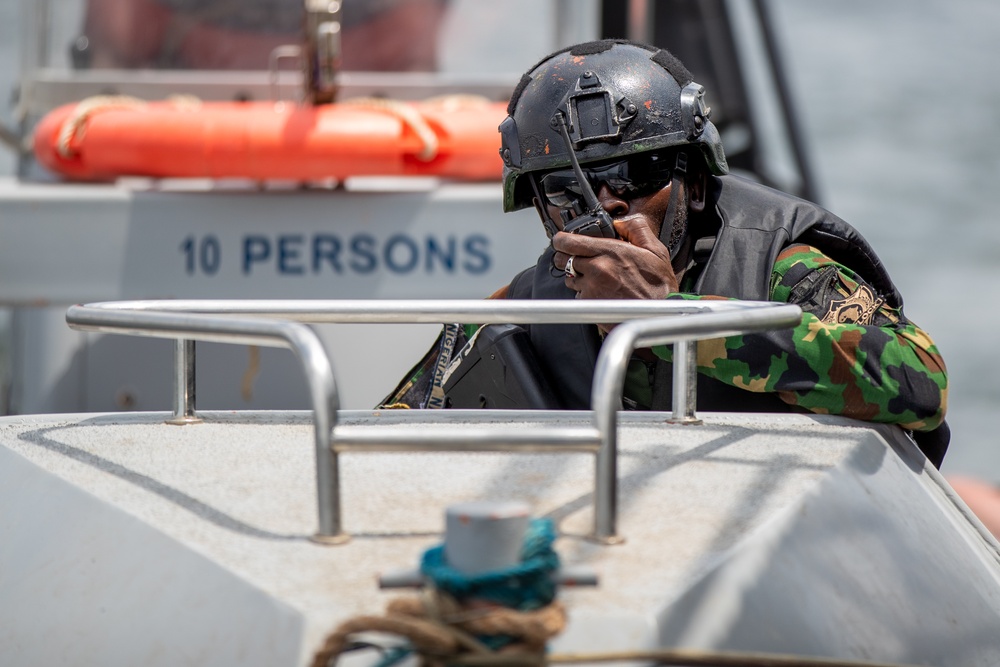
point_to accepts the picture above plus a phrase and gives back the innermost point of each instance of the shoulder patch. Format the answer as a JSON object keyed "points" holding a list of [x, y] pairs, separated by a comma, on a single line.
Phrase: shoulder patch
{"points": [[857, 308]]}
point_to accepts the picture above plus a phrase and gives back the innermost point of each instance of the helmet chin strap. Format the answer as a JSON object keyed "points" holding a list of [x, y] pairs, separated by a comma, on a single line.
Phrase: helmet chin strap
{"points": [[539, 202], [670, 217]]}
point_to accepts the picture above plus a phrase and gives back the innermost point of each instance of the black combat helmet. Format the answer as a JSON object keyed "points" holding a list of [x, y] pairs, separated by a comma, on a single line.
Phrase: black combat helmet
{"points": [[619, 98]]}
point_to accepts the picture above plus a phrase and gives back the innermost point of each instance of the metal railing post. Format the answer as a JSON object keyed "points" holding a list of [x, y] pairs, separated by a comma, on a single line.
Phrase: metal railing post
{"points": [[184, 383], [331, 527], [609, 381], [685, 398], [326, 405]]}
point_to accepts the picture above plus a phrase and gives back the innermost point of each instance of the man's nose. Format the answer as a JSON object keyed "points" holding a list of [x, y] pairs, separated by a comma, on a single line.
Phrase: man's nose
{"points": [[610, 202]]}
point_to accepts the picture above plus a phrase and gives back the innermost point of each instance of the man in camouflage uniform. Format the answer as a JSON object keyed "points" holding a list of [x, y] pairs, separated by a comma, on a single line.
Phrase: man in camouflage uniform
{"points": [[686, 229]]}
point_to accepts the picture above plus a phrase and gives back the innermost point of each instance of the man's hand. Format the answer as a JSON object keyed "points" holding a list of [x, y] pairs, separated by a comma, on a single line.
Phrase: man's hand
{"points": [[637, 266]]}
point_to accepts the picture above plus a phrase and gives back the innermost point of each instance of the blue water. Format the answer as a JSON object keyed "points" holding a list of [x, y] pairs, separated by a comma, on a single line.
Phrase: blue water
{"points": [[900, 102]]}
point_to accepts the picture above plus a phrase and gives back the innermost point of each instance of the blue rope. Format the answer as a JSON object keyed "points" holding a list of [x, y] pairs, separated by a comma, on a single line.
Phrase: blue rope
{"points": [[526, 586], [394, 656]]}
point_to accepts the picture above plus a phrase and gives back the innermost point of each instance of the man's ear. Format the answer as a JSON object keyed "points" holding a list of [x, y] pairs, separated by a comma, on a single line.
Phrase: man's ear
{"points": [[697, 184]]}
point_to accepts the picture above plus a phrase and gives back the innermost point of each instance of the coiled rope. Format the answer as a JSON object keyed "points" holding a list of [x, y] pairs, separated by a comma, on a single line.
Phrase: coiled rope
{"points": [[440, 630], [513, 610], [528, 585]]}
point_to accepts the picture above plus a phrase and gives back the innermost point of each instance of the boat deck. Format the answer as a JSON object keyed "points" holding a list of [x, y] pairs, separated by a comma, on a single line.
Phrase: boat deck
{"points": [[126, 524]]}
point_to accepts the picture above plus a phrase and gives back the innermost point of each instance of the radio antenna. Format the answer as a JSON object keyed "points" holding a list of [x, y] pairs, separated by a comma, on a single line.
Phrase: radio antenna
{"points": [[595, 222], [589, 196]]}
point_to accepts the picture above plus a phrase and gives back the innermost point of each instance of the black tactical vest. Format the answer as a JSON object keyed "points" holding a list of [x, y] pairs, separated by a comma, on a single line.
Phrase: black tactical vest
{"points": [[751, 225]]}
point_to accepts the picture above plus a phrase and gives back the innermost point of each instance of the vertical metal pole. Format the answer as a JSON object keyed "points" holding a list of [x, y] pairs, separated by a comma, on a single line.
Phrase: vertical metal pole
{"points": [[796, 136], [326, 405], [606, 490], [35, 37], [685, 399], [184, 383], [640, 21], [321, 51], [609, 380], [331, 527], [576, 21]]}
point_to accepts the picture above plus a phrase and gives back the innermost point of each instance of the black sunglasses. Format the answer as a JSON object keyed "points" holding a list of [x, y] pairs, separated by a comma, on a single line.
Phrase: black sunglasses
{"points": [[631, 178]]}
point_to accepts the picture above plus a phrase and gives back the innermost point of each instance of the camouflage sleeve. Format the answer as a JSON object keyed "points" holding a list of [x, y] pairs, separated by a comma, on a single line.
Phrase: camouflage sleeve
{"points": [[852, 355]]}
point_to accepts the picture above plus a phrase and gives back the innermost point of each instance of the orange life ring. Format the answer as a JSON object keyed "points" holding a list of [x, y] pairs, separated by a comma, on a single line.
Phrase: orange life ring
{"points": [[264, 140]]}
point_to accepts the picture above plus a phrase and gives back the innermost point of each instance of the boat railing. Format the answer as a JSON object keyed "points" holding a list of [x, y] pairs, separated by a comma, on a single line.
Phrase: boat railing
{"points": [[284, 324]]}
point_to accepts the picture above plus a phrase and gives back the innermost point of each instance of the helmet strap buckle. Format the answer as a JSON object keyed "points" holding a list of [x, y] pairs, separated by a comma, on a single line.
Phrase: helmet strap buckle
{"points": [[681, 164], [543, 213]]}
